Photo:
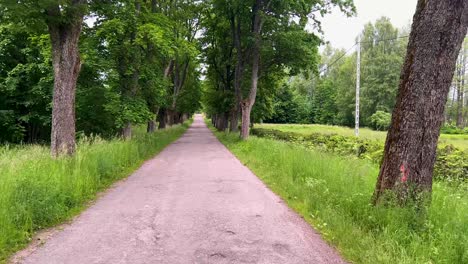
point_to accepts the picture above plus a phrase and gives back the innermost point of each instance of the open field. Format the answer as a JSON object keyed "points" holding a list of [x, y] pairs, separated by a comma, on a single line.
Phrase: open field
{"points": [[333, 193], [37, 191], [460, 141]]}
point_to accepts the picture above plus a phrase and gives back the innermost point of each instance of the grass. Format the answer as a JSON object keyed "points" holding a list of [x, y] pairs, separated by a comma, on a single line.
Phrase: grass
{"points": [[37, 191], [460, 141], [333, 193]]}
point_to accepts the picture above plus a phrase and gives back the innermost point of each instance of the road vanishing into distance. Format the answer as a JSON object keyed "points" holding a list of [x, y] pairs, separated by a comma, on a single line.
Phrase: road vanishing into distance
{"points": [[193, 203]]}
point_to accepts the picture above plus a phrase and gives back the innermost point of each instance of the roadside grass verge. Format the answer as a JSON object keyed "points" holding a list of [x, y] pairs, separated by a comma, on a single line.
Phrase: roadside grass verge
{"points": [[37, 191], [333, 193]]}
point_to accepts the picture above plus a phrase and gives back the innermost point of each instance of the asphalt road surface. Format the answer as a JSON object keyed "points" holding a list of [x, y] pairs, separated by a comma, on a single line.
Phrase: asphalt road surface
{"points": [[193, 203]]}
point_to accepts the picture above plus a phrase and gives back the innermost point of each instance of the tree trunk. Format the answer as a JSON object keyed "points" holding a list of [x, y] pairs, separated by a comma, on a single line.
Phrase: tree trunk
{"points": [[151, 126], [66, 63], [247, 104], [234, 120], [238, 73], [246, 109], [162, 118], [438, 29], [169, 117], [222, 121], [460, 91], [127, 131]]}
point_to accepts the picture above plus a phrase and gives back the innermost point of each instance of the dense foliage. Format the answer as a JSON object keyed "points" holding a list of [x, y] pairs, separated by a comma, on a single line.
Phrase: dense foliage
{"points": [[329, 97], [138, 58], [250, 48]]}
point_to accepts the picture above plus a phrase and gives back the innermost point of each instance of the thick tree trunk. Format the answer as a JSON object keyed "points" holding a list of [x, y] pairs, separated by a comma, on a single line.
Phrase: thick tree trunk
{"points": [[248, 103], [234, 120], [151, 127], [162, 118], [127, 131], [438, 29], [222, 122], [169, 117], [246, 109], [177, 118], [66, 63]]}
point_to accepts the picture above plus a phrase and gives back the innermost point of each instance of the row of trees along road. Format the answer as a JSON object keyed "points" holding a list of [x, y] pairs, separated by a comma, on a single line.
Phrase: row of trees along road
{"points": [[139, 59], [437, 33], [252, 45]]}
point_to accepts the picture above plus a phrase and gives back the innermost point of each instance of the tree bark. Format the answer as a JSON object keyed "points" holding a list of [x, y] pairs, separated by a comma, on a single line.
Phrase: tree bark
{"points": [[246, 109], [169, 117], [222, 121], [162, 118], [127, 131], [234, 120], [248, 103], [67, 65], [151, 126], [438, 29]]}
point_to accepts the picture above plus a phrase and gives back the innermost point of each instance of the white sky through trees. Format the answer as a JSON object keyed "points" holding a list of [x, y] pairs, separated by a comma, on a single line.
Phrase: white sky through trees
{"points": [[341, 31]]}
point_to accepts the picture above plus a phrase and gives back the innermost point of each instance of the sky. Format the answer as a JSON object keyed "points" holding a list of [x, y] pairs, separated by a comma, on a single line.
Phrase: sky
{"points": [[341, 31]]}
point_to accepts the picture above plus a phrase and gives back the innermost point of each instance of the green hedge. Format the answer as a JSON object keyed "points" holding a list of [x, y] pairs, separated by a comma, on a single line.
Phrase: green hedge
{"points": [[452, 129], [451, 164]]}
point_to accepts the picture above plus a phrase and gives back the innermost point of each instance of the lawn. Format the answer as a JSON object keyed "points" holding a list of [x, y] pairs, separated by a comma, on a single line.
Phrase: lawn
{"points": [[333, 193], [37, 191], [460, 141]]}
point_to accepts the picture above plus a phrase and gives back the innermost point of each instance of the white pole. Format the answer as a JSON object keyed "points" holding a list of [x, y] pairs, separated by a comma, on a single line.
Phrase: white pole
{"points": [[358, 79]]}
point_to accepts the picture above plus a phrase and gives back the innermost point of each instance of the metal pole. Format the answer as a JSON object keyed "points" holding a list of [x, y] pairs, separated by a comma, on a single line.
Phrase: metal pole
{"points": [[358, 79]]}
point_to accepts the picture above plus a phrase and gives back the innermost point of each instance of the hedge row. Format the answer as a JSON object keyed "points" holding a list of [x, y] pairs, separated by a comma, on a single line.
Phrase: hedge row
{"points": [[451, 164]]}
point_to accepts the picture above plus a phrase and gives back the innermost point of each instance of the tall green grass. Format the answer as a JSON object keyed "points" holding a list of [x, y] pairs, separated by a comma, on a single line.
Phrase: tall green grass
{"points": [[333, 193], [37, 191]]}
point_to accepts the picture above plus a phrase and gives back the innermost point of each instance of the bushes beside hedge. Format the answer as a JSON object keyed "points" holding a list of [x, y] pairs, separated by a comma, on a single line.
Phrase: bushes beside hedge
{"points": [[451, 164]]}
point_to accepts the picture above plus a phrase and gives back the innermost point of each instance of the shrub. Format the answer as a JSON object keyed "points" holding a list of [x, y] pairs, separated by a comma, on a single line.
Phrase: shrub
{"points": [[380, 120], [453, 129]]}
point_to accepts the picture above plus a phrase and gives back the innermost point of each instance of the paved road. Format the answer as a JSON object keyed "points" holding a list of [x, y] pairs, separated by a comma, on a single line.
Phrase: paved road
{"points": [[193, 203]]}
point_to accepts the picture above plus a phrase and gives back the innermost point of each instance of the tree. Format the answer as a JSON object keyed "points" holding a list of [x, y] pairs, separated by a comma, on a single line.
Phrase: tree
{"points": [[64, 22], [438, 29], [269, 37], [382, 58], [285, 107], [26, 82], [323, 103]]}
